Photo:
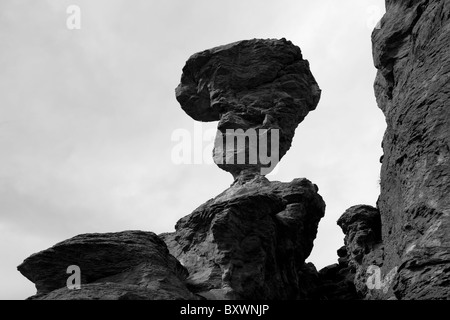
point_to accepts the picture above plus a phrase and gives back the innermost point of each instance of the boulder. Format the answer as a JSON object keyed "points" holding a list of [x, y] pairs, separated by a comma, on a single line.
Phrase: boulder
{"points": [[112, 266], [259, 91]]}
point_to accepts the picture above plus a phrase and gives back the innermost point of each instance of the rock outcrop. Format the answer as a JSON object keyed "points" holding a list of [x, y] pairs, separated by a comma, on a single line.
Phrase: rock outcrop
{"points": [[251, 241], [113, 266], [262, 87], [410, 255], [412, 55], [361, 225]]}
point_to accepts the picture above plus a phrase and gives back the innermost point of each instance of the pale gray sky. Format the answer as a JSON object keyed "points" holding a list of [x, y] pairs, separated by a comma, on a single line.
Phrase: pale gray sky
{"points": [[86, 116]]}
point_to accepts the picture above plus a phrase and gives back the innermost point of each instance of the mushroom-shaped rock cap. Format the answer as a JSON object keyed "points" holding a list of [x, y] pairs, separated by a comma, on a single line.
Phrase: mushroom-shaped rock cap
{"points": [[257, 84]]}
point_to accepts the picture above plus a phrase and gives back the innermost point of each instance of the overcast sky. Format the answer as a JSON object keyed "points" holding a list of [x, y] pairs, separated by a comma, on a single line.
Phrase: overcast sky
{"points": [[86, 116]]}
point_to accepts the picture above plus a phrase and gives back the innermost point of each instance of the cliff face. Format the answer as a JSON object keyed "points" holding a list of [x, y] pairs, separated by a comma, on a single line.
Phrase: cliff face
{"points": [[412, 54]]}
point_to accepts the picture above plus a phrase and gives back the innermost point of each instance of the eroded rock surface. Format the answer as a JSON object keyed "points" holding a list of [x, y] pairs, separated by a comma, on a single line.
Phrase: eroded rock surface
{"points": [[412, 54], [411, 255], [122, 265], [256, 84], [363, 249], [251, 241]]}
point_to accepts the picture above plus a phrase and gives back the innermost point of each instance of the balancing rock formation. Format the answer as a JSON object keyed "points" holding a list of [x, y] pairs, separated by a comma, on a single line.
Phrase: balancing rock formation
{"points": [[408, 235], [249, 242], [254, 84]]}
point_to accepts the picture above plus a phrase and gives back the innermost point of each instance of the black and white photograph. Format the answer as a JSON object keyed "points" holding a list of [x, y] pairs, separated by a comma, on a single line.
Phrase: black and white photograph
{"points": [[220, 156]]}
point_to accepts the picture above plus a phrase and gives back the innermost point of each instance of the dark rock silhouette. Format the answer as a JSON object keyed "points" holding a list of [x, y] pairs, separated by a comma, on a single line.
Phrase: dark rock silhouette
{"points": [[252, 84], [412, 55], [412, 251], [361, 225], [251, 241], [121, 265]]}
